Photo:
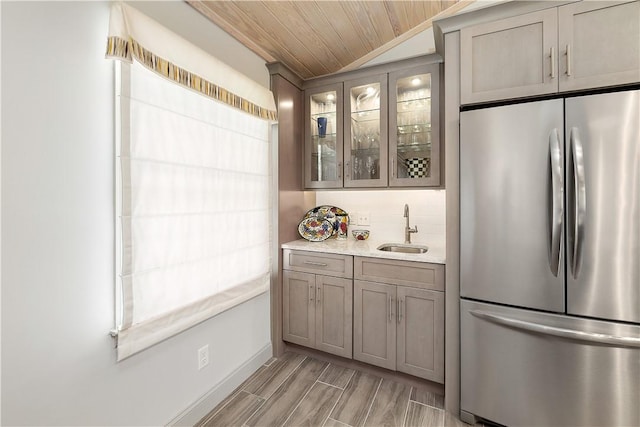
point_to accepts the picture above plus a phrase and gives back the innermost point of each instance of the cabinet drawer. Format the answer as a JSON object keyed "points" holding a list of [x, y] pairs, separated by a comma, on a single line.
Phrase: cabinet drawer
{"points": [[407, 273], [315, 262]]}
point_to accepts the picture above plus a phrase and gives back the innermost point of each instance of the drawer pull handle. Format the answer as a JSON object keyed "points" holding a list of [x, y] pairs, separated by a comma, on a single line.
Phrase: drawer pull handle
{"points": [[317, 264], [311, 292]]}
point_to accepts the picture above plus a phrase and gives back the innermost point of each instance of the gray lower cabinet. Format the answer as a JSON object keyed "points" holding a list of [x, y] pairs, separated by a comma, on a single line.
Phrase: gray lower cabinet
{"points": [[400, 327], [317, 308], [374, 333]]}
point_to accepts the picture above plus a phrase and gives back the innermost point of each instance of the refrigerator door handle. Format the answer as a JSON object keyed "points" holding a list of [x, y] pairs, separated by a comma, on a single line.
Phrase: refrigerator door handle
{"points": [[556, 204], [579, 194], [597, 338]]}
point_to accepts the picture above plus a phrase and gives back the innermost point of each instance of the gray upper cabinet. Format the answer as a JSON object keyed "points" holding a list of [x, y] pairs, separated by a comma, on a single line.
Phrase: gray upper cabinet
{"points": [[599, 44], [374, 128], [414, 127], [580, 45], [509, 58], [323, 137], [365, 127]]}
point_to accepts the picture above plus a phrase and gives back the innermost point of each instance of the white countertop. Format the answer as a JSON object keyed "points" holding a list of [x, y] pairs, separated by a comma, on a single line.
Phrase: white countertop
{"points": [[365, 248]]}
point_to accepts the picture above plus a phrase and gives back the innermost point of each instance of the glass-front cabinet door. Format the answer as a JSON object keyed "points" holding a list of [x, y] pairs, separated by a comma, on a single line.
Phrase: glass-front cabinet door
{"points": [[365, 130], [323, 137], [414, 156]]}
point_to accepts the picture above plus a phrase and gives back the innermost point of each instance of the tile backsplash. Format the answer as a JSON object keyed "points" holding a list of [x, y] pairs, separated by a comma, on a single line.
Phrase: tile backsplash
{"points": [[386, 209]]}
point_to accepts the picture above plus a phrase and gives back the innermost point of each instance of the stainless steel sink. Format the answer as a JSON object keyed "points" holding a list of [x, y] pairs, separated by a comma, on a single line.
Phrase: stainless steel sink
{"points": [[404, 248]]}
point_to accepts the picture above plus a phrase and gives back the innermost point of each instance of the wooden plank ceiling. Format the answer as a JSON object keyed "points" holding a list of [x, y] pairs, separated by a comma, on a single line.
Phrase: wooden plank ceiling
{"points": [[315, 38]]}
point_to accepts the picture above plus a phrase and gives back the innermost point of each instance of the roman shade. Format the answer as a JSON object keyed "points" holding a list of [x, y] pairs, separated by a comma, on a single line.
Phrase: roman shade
{"points": [[193, 183]]}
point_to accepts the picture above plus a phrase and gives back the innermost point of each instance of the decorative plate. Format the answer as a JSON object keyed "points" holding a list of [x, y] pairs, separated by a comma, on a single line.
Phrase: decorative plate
{"points": [[315, 230], [328, 213]]}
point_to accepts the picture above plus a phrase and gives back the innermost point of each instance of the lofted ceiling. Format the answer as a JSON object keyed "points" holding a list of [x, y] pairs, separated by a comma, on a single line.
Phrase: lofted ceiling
{"points": [[315, 38]]}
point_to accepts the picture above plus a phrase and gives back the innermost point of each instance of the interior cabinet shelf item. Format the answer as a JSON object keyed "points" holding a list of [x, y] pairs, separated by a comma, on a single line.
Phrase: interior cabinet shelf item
{"points": [[324, 104], [366, 127], [399, 327], [581, 45], [383, 113], [318, 301], [414, 124]]}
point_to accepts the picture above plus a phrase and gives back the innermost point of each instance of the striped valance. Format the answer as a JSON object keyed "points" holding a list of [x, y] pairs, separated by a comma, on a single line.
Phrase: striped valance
{"points": [[133, 35]]}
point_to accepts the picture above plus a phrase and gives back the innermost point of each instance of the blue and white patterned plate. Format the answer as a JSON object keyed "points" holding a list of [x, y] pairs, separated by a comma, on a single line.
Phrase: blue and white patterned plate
{"points": [[328, 213], [315, 229]]}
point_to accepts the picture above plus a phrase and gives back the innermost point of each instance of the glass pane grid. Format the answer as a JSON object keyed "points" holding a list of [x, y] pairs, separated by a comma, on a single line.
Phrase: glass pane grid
{"points": [[365, 132], [323, 126], [413, 131]]}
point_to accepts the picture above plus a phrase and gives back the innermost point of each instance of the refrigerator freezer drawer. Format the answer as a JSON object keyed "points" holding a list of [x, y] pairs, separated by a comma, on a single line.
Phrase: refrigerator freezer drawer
{"points": [[524, 368]]}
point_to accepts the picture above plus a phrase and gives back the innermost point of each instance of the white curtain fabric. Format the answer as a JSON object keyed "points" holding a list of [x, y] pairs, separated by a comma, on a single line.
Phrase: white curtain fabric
{"points": [[194, 206]]}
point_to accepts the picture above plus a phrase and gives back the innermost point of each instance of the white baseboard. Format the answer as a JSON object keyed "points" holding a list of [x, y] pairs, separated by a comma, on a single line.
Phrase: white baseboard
{"points": [[196, 411]]}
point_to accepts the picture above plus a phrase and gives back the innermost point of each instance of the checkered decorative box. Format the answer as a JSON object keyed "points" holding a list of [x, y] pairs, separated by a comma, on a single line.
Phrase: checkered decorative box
{"points": [[418, 167]]}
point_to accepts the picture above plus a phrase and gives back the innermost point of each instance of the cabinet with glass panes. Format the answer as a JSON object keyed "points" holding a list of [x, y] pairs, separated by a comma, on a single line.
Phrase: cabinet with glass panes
{"points": [[374, 129], [414, 143], [365, 126], [323, 137]]}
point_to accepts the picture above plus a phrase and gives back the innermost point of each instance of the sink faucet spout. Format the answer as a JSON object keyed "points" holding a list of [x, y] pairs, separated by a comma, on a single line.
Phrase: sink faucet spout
{"points": [[408, 230]]}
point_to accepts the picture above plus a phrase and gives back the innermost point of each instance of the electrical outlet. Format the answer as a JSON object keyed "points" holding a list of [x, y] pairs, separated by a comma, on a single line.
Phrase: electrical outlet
{"points": [[363, 218], [203, 356]]}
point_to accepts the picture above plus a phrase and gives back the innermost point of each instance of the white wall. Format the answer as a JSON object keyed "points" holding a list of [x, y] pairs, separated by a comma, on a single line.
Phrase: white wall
{"points": [[422, 43], [58, 363], [386, 213]]}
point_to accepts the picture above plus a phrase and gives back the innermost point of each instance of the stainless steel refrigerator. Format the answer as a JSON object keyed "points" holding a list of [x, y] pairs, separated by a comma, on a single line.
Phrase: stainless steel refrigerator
{"points": [[550, 261]]}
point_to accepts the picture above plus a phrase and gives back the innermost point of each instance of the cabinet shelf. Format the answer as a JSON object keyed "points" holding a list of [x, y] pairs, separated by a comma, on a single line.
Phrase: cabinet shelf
{"points": [[329, 138], [365, 116], [414, 128], [415, 148], [327, 114], [412, 105]]}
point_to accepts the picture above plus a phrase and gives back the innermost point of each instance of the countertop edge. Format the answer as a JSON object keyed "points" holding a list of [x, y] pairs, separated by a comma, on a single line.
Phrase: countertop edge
{"points": [[366, 248]]}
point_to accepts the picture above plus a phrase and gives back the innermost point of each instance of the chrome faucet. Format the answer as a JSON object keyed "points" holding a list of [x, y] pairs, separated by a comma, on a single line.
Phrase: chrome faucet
{"points": [[408, 230]]}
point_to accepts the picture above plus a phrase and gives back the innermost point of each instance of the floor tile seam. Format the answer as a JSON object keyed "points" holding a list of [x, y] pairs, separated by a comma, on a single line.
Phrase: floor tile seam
{"points": [[406, 410], [336, 404], [340, 422], [212, 415], [427, 405], [254, 412], [373, 399], [285, 379], [330, 385], [338, 400], [305, 394]]}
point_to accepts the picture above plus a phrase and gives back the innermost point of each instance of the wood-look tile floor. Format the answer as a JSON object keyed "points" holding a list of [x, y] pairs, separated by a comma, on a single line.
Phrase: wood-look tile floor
{"points": [[295, 390]]}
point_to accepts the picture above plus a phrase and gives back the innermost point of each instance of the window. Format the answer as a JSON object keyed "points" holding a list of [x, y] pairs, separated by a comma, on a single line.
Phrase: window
{"points": [[194, 203]]}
